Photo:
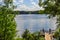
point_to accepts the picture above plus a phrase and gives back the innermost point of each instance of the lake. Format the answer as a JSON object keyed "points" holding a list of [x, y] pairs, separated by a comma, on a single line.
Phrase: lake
{"points": [[34, 22]]}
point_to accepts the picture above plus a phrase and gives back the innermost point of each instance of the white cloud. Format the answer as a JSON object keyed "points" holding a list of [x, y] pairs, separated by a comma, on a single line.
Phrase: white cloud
{"points": [[17, 2], [33, 0], [36, 6], [24, 7], [21, 1]]}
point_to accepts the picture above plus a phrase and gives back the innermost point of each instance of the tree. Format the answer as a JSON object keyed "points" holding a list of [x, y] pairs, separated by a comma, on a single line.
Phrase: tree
{"points": [[38, 36], [7, 22], [18, 38], [57, 33], [32, 36], [26, 34], [8, 2], [52, 7]]}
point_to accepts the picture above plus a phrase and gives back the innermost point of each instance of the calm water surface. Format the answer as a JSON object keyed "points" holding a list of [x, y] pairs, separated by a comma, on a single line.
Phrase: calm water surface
{"points": [[34, 22]]}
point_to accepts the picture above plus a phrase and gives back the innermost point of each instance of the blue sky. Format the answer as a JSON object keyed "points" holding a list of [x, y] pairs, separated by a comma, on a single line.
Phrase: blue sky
{"points": [[27, 5], [29, 2], [1, 2], [26, 2]]}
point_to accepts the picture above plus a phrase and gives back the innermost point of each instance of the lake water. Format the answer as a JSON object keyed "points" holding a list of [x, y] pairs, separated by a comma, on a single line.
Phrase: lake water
{"points": [[34, 22]]}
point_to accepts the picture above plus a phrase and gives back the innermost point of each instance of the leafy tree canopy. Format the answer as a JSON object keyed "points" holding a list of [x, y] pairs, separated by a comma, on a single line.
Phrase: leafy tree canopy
{"points": [[51, 7]]}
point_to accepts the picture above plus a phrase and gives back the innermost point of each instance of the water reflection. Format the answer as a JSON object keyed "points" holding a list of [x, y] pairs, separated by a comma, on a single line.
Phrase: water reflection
{"points": [[34, 22]]}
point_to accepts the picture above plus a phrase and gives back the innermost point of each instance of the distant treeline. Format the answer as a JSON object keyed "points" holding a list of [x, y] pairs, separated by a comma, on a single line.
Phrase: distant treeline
{"points": [[28, 12]]}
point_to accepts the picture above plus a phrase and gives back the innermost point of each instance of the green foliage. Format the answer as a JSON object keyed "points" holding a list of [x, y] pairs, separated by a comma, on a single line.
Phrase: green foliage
{"points": [[57, 34], [26, 35], [7, 24], [32, 36], [18, 38], [51, 7], [8, 2]]}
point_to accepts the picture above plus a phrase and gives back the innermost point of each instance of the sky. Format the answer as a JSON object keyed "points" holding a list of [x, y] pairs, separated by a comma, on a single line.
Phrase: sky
{"points": [[1, 2], [27, 5], [34, 22]]}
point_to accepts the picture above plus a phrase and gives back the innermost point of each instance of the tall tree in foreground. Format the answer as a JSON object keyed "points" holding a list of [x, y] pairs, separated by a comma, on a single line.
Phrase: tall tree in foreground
{"points": [[7, 22]]}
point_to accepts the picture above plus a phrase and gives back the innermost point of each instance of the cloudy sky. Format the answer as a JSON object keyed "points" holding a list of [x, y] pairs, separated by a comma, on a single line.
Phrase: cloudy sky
{"points": [[27, 5], [34, 22]]}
